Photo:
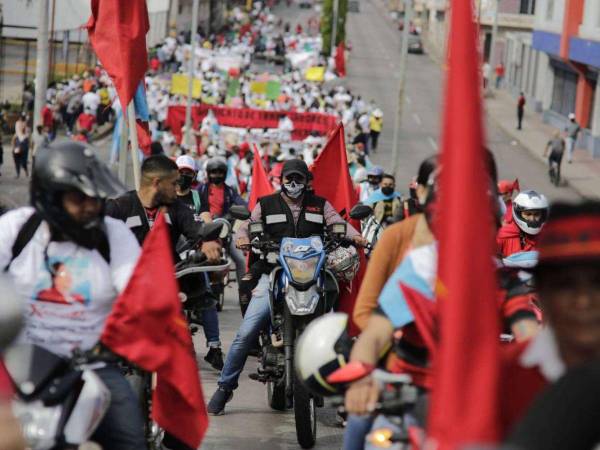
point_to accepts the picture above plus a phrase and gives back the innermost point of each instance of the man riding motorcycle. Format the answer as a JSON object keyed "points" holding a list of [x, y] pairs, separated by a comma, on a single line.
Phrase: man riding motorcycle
{"points": [[138, 209], [186, 189], [387, 204], [216, 197], [530, 211], [366, 188], [66, 235], [292, 212]]}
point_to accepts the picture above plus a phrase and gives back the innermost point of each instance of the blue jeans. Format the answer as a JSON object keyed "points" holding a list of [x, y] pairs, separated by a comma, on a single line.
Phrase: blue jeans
{"points": [[258, 316], [122, 428], [210, 324], [357, 428]]}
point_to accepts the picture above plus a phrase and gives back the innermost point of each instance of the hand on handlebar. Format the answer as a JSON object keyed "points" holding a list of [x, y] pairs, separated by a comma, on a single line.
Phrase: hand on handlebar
{"points": [[360, 241], [212, 250], [361, 396], [243, 243]]}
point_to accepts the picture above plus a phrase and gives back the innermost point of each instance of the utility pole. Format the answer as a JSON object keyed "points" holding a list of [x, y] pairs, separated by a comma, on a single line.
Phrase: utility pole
{"points": [[173, 13], [401, 84], [188, 108], [492, 62], [41, 67], [334, 24]]}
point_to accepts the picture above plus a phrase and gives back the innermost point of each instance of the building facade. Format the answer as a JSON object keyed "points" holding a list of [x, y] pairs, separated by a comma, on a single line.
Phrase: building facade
{"points": [[567, 33]]}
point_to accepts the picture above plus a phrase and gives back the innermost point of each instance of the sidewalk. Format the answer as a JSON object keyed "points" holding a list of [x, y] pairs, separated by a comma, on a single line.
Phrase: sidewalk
{"points": [[583, 174]]}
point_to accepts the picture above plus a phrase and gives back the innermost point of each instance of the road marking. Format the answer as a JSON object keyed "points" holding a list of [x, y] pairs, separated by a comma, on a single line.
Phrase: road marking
{"points": [[432, 143], [417, 119]]}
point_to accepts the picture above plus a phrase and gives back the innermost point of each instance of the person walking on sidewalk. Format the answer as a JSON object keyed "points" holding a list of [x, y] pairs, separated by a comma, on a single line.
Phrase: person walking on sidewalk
{"points": [[556, 147], [20, 145], [572, 130], [375, 125], [499, 75], [520, 110]]}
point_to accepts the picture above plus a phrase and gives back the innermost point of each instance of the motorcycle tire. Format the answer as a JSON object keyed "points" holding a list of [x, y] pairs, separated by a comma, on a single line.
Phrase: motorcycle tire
{"points": [[220, 301], [305, 413], [276, 395]]}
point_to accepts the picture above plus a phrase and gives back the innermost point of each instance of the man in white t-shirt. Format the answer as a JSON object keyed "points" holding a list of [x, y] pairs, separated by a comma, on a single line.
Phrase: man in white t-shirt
{"points": [[70, 262], [91, 101]]}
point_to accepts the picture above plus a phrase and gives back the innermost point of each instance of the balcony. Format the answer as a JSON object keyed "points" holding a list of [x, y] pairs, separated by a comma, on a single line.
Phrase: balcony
{"points": [[506, 20]]}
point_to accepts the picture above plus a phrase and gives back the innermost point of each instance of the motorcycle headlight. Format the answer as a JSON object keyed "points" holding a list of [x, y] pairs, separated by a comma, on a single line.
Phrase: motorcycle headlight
{"points": [[302, 270], [302, 303], [38, 422]]}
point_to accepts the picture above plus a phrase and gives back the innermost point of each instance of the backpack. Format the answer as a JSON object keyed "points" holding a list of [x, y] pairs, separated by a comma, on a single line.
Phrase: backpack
{"points": [[28, 230]]}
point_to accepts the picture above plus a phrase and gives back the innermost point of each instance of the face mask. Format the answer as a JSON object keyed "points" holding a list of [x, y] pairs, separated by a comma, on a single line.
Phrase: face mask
{"points": [[185, 182], [387, 190], [373, 181], [293, 189]]}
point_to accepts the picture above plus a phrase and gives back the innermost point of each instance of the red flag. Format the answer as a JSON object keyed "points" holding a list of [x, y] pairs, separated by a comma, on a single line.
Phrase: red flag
{"points": [[340, 60], [424, 312], [117, 31], [148, 328], [465, 403], [144, 136], [332, 181], [261, 185]]}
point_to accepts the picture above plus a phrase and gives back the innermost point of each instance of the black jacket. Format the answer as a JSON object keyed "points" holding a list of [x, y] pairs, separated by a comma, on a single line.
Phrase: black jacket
{"points": [[279, 221], [129, 209]]}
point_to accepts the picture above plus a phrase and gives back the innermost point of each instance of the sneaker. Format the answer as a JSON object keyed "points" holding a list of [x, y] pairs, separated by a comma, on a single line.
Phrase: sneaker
{"points": [[215, 358], [216, 406]]}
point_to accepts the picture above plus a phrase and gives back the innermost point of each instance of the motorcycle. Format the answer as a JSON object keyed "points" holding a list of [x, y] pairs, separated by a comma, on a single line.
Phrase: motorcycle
{"points": [[59, 402], [371, 228], [399, 413], [301, 289]]}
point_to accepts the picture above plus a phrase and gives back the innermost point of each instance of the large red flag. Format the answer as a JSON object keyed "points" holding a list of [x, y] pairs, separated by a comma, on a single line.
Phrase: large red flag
{"points": [[465, 404], [261, 185], [117, 31], [148, 328], [332, 181]]}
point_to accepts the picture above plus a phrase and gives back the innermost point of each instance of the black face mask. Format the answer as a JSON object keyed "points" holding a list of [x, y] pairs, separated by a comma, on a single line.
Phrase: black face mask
{"points": [[185, 182], [387, 190]]}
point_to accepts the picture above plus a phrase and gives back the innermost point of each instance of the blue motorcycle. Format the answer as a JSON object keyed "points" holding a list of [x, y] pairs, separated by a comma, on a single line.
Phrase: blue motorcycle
{"points": [[301, 289]]}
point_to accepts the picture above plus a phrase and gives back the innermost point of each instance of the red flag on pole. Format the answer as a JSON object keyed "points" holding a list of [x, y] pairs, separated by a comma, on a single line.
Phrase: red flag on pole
{"points": [[261, 185], [117, 31], [148, 328], [340, 60], [332, 181], [465, 404]]}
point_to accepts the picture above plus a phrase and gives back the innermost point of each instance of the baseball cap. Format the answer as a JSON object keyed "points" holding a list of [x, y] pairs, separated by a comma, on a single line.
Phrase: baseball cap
{"points": [[186, 162], [295, 166]]}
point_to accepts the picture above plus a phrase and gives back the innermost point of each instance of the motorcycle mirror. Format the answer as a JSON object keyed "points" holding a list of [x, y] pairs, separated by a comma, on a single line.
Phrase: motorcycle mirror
{"points": [[360, 212], [11, 312], [239, 212], [211, 231]]}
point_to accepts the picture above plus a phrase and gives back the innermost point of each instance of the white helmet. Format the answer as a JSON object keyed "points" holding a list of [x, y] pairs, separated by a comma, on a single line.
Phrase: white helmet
{"points": [[343, 262], [530, 201], [323, 348]]}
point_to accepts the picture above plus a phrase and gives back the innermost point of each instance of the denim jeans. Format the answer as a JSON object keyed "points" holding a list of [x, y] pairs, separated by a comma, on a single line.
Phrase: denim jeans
{"points": [[239, 260], [357, 428], [122, 428], [210, 324], [257, 317], [570, 147]]}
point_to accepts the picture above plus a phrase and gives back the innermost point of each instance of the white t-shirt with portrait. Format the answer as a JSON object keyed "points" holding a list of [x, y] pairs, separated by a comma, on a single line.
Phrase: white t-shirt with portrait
{"points": [[70, 293]]}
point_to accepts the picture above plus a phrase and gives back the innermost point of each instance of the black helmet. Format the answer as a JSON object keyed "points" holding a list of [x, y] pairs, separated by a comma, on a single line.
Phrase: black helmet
{"points": [[216, 163], [69, 166]]}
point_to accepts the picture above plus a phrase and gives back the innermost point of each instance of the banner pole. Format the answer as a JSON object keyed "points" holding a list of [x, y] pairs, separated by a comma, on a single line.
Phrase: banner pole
{"points": [[135, 152]]}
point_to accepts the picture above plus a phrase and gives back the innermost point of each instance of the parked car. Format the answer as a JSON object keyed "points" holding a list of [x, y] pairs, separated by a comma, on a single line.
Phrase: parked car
{"points": [[415, 44]]}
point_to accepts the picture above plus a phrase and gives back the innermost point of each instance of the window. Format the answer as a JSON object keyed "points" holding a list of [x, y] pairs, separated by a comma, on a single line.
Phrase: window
{"points": [[527, 7], [564, 91], [550, 11]]}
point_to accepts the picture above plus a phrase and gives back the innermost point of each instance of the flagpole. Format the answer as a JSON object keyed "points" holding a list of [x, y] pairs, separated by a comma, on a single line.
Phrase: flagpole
{"points": [[135, 152], [123, 150], [401, 84], [188, 108]]}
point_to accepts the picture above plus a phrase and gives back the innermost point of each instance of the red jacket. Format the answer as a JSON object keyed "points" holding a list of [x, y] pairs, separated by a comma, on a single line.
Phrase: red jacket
{"points": [[511, 240]]}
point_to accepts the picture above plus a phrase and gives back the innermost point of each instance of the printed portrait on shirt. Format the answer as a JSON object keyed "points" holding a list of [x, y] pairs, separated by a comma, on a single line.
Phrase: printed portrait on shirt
{"points": [[60, 283]]}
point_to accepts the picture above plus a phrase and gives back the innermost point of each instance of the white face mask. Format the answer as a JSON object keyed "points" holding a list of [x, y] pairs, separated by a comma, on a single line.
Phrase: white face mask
{"points": [[293, 189]]}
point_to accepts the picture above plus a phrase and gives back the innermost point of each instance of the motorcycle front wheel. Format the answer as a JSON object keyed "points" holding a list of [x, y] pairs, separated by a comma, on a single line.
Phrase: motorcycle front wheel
{"points": [[305, 413]]}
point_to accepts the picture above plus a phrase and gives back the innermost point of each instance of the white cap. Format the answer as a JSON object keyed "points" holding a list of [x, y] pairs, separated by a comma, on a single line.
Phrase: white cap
{"points": [[186, 162], [571, 116]]}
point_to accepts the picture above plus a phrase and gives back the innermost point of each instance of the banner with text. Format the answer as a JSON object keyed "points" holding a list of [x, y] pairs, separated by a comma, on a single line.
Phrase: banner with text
{"points": [[304, 122]]}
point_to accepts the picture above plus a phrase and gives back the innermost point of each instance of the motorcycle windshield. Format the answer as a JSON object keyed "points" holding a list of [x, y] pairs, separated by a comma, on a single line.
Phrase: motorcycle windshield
{"points": [[302, 270]]}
